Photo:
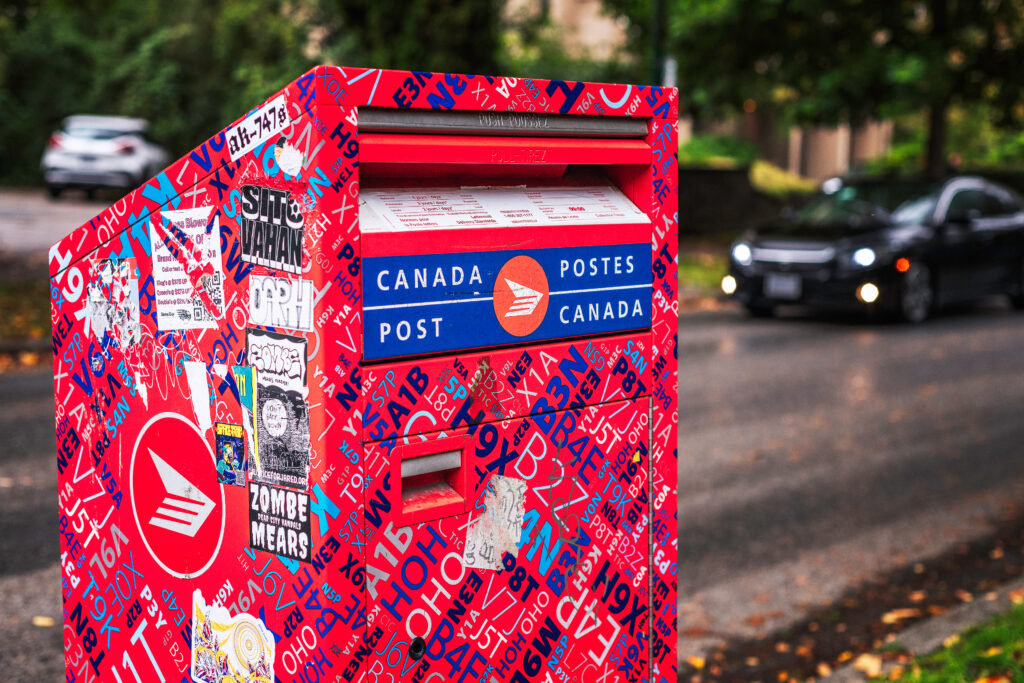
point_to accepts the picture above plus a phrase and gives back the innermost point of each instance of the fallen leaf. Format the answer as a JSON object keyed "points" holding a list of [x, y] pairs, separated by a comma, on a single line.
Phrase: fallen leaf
{"points": [[963, 595], [869, 664], [993, 679], [917, 596], [752, 661], [824, 669], [845, 656], [782, 647], [783, 676], [1017, 596], [803, 651], [898, 615], [42, 622], [996, 553], [695, 662], [991, 596], [694, 632], [951, 641], [896, 673], [992, 652]]}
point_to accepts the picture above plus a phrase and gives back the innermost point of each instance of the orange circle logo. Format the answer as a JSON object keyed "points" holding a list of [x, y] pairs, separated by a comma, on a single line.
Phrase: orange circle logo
{"points": [[521, 296]]}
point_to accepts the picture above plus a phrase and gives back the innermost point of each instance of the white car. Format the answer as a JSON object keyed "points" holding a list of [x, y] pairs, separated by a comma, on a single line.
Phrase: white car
{"points": [[100, 151]]}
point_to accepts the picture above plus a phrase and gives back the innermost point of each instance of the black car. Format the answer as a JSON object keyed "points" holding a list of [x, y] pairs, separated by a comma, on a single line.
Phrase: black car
{"points": [[946, 242]]}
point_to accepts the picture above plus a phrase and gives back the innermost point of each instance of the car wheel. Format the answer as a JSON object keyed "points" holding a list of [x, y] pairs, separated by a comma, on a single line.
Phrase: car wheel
{"points": [[54, 192], [760, 310], [917, 295]]}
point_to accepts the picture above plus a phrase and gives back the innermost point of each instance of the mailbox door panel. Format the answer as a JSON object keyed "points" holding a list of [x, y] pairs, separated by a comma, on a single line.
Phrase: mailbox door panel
{"points": [[543, 573], [502, 384]]}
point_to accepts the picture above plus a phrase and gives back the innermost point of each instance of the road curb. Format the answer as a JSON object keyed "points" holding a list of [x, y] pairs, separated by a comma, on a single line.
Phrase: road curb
{"points": [[928, 636]]}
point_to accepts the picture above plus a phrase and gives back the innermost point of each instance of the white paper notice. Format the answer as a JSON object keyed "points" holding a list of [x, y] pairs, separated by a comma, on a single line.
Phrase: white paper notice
{"points": [[398, 209], [187, 275]]}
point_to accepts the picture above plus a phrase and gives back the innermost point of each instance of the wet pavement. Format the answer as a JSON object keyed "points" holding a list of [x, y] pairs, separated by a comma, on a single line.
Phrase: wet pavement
{"points": [[816, 454]]}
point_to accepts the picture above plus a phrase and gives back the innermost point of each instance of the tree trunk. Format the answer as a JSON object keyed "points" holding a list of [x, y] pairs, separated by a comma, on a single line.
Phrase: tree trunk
{"points": [[935, 158]]}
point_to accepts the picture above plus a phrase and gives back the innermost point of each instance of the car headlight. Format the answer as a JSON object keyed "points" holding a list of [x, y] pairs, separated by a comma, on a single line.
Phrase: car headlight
{"points": [[864, 257], [742, 254]]}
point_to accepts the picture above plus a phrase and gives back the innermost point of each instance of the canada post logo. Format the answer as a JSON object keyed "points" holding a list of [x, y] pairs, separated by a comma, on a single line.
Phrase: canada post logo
{"points": [[177, 502], [521, 296]]}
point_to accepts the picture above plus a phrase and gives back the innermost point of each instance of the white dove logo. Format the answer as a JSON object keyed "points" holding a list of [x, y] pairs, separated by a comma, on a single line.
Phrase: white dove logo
{"points": [[526, 300], [185, 507]]}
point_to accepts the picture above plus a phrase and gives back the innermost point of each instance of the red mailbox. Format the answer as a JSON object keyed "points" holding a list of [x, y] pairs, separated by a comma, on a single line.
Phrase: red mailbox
{"points": [[379, 383]]}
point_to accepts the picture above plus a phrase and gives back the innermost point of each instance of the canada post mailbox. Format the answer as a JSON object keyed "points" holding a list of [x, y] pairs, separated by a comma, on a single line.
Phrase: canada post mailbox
{"points": [[377, 384]]}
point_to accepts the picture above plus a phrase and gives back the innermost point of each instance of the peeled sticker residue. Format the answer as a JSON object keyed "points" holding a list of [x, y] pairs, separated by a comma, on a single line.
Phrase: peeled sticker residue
{"points": [[112, 302], [289, 158], [497, 531]]}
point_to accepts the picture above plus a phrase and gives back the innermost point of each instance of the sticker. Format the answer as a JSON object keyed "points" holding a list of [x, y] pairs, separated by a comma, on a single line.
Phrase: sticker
{"points": [[239, 649], [199, 391], [280, 302], [499, 529], [245, 380], [288, 157], [281, 414], [279, 521], [230, 452], [278, 359], [261, 125], [187, 279], [282, 425], [112, 302], [271, 228]]}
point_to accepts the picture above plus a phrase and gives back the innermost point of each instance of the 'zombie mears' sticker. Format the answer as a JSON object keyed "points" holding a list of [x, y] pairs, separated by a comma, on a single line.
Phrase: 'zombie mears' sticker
{"points": [[271, 228], [279, 521]]}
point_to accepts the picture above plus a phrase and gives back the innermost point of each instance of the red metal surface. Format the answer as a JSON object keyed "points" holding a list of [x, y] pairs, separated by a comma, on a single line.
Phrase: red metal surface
{"points": [[165, 561]]}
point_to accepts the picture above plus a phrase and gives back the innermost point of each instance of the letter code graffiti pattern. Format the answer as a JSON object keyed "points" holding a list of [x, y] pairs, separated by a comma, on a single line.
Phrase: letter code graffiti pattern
{"points": [[283, 550]]}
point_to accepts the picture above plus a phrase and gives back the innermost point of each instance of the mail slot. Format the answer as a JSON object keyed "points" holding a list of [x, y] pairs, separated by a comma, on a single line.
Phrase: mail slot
{"points": [[379, 381]]}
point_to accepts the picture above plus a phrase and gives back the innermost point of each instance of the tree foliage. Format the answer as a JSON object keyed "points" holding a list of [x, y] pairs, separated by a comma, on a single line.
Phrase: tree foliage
{"points": [[825, 61], [192, 66]]}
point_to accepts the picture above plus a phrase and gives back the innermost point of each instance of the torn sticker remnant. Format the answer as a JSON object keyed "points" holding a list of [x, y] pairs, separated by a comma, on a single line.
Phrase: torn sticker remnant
{"points": [[498, 530]]}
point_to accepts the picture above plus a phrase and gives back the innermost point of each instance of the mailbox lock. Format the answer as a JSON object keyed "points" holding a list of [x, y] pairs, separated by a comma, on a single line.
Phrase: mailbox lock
{"points": [[417, 648]]}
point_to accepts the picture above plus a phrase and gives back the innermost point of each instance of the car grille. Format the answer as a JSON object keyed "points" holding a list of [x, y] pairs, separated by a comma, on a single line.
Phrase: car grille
{"points": [[793, 256]]}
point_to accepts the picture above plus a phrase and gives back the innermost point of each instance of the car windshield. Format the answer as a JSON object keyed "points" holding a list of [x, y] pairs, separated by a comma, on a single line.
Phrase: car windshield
{"points": [[95, 133], [843, 206], [915, 211]]}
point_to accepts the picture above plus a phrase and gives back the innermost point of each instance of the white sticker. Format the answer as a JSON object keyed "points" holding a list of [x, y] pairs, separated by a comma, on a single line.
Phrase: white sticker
{"points": [[281, 302], [188, 281], [498, 530], [261, 125], [225, 647]]}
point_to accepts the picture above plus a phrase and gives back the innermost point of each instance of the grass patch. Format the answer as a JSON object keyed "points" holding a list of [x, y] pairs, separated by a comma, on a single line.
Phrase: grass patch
{"points": [[701, 272], [994, 651]]}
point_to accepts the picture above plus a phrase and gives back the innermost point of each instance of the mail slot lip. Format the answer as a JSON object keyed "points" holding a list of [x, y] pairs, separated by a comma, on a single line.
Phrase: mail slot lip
{"points": [[392, 148], [453, 122]]}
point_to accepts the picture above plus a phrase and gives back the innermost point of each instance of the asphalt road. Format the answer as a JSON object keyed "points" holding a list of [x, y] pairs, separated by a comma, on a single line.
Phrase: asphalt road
{"points": [[814, 455]]}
